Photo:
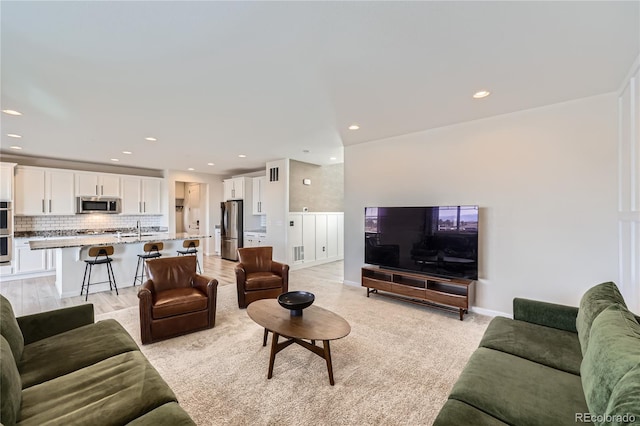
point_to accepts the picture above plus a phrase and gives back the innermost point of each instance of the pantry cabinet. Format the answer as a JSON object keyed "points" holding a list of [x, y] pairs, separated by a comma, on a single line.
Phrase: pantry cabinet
{"points": [[42, 191]]}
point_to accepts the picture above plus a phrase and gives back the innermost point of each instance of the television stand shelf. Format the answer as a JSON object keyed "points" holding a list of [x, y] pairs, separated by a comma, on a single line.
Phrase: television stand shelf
{"points": [[452, 294]]}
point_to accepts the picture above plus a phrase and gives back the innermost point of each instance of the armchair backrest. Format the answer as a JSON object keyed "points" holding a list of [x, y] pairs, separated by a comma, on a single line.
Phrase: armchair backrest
{"points": [[255, 259], [171, 272]]}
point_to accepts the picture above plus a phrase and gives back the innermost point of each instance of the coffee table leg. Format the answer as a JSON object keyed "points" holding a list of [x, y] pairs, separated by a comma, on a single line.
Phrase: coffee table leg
{"points": [[272, 357], [327, 357], [264, 339]]}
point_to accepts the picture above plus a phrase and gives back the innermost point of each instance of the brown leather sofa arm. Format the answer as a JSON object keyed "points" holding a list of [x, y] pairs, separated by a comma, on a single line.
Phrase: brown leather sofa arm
{"points": [[209, 286], [281, 269], [145, 294]]}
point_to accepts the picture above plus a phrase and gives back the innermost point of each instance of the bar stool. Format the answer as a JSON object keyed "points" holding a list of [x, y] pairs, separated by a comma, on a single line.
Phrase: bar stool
{"points": [[100, 256], [190, 246], [151, 251]]}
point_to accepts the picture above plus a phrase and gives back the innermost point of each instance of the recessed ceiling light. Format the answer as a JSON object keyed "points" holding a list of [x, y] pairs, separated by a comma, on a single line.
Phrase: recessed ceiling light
{"points": [[242, 156], [127, 152], [115, 159], [191, 169], [333, 158], [13, 135], [210, 164], [11, 112], [354, 127], [15, 147], [150, 139], [481, 94]]}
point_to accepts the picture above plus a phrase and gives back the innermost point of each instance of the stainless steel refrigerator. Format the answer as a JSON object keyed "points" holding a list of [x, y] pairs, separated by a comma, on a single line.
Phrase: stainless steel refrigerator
{"points": [[231, 229]]}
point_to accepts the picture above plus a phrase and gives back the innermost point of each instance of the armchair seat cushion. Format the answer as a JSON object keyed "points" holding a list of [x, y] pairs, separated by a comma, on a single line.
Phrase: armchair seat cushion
{"points": [[262, 281], [177, 301]]}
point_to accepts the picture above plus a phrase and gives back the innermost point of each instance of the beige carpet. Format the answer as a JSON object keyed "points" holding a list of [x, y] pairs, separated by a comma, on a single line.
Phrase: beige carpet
{"points": [[395, 368]]}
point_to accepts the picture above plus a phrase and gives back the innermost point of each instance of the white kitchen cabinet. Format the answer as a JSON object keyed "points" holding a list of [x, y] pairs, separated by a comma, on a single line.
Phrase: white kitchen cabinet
{"points": [[6, 181], [234, 188], [97, 184], [27, 260], [254, 239], [141, 195], [41, 191], [258, 195]]}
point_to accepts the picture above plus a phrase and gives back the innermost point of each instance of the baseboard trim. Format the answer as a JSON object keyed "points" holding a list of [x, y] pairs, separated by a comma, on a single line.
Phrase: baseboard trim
{"points": [[303, 265], [489, 312]]}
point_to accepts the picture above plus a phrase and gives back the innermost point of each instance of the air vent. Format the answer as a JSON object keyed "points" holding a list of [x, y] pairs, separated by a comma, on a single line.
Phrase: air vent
{"points": [[274, 174], [298, 253]]}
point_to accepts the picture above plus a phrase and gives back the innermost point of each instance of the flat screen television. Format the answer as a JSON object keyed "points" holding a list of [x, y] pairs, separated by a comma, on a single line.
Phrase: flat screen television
{"points": [[441, 240]]}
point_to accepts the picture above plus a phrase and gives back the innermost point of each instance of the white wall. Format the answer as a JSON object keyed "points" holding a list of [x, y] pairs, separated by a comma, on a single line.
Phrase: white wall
{"points": [[629, 187], [546, 183]]}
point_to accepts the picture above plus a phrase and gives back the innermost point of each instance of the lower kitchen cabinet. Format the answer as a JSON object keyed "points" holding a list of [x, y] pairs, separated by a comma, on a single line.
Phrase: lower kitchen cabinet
{"points": [[255, 239], [27, 261]]}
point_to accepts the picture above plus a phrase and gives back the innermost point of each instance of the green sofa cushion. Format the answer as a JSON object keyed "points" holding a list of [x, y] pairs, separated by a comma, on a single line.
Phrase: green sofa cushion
{"points": [[614, 350], [170, 414], [625, 398], [10, 330], [545, 345], [114, 391], [519, 392], [457, 413], [593, 302], [10, 387], [74, 349]]}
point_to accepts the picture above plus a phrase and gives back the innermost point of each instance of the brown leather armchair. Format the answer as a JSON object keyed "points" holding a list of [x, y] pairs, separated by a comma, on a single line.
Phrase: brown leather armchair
{"points": [[258, 276], [175, 300]]}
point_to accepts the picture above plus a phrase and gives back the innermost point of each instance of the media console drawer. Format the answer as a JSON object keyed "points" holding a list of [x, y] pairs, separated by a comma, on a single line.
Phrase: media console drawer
{"points": [[446, 293]]}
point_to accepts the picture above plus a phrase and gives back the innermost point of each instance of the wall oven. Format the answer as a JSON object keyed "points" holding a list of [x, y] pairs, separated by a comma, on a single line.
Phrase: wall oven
{"points": [[6, 231]]}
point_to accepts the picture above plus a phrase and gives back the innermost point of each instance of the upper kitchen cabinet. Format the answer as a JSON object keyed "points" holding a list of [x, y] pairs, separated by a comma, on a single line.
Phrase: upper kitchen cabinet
{"points": [[41, 191], [6, 181], [258, 195], [97, 184], [234, 189], [141, 195]]}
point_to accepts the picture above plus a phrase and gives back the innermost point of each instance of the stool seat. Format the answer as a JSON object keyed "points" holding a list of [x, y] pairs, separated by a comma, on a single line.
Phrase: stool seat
{"points": [[100, 256], [190, 248], [151, 251]]}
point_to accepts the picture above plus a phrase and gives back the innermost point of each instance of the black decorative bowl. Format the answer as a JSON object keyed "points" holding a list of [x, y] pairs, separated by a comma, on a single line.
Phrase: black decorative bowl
{"points": [[296, 301]]}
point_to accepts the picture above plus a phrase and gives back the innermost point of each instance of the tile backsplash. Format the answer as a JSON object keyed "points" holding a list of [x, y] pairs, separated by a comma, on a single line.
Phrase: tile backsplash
{"points": [[89, 221]]}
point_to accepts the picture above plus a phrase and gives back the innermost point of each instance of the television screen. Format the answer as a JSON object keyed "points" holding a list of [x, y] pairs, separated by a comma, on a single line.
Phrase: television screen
{"points": [[440, 241]]}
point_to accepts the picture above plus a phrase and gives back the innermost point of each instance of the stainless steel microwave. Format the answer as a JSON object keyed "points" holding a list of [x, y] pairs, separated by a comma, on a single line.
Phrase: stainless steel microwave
{"points": [[98, 205]]}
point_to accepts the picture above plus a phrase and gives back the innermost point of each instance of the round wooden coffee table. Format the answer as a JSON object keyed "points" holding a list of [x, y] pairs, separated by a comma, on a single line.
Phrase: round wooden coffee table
{"points": [[314, 324]]}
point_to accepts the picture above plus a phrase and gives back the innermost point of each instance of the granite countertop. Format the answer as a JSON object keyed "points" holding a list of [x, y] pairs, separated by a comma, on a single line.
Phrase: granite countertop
{"points": [[112, 239], [86, 232]]}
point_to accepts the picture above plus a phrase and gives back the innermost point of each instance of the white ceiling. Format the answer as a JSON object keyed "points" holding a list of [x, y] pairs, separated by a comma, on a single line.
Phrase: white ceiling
{"points": [[211, 80]]}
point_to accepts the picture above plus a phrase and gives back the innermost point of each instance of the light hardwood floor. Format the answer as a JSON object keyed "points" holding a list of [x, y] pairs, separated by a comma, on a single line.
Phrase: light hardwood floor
{"points": [[29, 296]]}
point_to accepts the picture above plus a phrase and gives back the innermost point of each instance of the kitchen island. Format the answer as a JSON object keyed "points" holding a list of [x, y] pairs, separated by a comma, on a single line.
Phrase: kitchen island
{"points": [[71, 253]]}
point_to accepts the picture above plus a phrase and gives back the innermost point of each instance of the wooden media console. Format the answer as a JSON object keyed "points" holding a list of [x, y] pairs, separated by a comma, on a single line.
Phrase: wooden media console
{"points": [[452, 294]]}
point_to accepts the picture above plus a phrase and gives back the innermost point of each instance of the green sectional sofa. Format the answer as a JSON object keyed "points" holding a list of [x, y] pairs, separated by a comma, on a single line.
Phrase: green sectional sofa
{"points": [[553, 365], [62, 368]]}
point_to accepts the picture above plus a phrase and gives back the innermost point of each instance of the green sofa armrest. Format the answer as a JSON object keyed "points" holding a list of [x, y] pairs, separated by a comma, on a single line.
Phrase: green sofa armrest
{"points": [[561, 317], [46, 324]]}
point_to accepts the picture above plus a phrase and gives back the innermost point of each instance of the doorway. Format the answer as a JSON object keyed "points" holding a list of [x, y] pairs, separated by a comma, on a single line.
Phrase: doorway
{"points": [[189, 214]]}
